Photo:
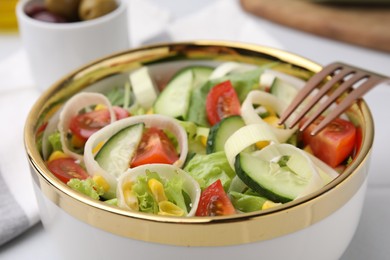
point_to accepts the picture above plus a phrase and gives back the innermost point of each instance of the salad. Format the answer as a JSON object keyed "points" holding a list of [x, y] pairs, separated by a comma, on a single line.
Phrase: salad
{"points": [[207, 143]]}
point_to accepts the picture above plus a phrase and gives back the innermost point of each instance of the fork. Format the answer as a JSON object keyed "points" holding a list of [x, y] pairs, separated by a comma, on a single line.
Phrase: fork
{"points": [[343, 78]]}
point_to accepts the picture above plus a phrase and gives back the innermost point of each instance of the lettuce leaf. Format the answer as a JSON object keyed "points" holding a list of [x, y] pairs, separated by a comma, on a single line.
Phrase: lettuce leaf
{"points": [[174, 192], [243, 83], [173, 189], [146, 201], [87, 187], [55, 141], [246, 202], [207, 169]]}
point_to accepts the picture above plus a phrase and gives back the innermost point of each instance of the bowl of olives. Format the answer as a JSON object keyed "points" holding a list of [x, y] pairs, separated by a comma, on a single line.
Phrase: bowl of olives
{"points": [[69, 11], [61, 35]]}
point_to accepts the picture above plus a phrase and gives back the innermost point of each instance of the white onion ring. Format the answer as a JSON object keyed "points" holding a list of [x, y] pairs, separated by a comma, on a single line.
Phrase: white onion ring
{"points": [[166, 171], [250, 116], [71, 108], [159, 121]]}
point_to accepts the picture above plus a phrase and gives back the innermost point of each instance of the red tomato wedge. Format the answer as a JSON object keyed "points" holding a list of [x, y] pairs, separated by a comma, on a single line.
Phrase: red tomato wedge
{"points": [[155, 147], [334, 143], [66, 169], [84, 125], [215, 202], [222, 101]]}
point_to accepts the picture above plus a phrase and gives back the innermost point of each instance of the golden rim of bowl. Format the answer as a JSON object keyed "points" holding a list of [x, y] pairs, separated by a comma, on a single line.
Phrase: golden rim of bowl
{"points": [[194, 231]]}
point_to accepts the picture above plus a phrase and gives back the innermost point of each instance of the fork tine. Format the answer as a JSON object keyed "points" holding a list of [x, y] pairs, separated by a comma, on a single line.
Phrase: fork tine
{"points": [[358, 92], [336, 94], [323, 90], [311, 84]]}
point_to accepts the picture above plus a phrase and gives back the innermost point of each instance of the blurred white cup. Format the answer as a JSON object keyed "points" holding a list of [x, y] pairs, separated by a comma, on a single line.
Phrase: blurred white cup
{"points": [[55, 49]]}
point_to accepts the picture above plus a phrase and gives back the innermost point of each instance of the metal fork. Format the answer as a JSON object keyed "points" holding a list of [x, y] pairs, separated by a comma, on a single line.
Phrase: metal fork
{"points": [[354, 80]]}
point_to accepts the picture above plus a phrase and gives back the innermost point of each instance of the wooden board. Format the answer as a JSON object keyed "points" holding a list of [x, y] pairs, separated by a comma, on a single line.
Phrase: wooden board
{"points": [[367, 26]]}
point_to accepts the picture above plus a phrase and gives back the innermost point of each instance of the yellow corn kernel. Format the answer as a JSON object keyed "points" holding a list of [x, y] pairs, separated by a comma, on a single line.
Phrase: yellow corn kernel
{"points": [[130, 196], [157, 190], [57, 155], [270, 111], [131, 199], [167, 208], [150, 111], [101, 182], [203, 140], [97, 147], [262, 144], [273, 121], [100, 107], [77, 141], [270, 204]]}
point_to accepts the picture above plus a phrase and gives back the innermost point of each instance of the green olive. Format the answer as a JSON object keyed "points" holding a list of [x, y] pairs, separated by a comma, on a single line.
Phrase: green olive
{"points": [[65, 8], [90, 9]]}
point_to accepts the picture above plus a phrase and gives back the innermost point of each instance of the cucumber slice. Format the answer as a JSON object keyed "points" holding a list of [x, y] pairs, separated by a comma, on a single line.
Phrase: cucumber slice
{"points": [[174, 100], [269, 179], [115, 155], [283, 90], [220, 132], [144, 88], [201, 75]]}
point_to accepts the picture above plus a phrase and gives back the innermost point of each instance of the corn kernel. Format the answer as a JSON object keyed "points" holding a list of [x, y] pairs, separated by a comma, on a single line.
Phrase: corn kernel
{"points": [[167, 208], [270, 111], [262, 144], [57, 155], [77, 141], [203, 140], [100, 107], [273, 121], [97, 147], [101, 182], [157, 190], [150, 111], [130, 196], [131, 199], [269, 204]]}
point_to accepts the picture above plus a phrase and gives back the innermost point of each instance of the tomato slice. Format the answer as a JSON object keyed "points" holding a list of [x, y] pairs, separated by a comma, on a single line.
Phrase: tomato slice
{"points": [[222, 101], [66, 169], [84, 125], [155, 147], [334, 143], [214, 201]]}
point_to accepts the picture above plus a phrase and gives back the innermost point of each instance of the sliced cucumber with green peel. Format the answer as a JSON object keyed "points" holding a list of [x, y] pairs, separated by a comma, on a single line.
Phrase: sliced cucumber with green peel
{"points": [[283, 90], [116, 153], [174, 100], [269, 179], [201, 75], [220, 132]]}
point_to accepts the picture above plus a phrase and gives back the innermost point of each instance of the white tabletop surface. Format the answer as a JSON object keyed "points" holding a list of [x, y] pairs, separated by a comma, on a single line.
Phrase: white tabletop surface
{"points": [[372, 237]]}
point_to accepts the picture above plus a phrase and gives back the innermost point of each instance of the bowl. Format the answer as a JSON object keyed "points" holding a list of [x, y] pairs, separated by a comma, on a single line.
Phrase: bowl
{"points": [[317, 226]]}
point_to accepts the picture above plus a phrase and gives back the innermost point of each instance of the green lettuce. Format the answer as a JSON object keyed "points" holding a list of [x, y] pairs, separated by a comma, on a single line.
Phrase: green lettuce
{"points": [[173, 189], [243, 83], [195, 145], [207, 169], [55, 141], [87, 187], [146, 201], [246, 202], [174, 192]]}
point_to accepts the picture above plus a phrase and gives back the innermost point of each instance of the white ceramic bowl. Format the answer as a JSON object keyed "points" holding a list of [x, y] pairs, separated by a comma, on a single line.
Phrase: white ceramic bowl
{"points": [[318, 226]]}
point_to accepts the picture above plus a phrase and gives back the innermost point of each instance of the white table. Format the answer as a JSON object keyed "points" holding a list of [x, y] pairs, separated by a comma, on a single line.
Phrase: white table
{"points": [[372, 237]]}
